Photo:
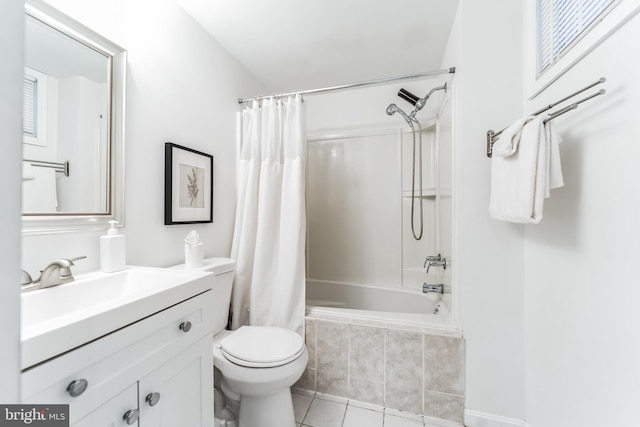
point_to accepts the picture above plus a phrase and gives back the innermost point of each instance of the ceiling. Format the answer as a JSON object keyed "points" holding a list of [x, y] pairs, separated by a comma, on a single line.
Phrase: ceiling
{"points": [[304, 44]]}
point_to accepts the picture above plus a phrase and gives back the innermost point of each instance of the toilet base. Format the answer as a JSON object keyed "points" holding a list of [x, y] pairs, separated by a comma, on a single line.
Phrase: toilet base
{"points": [[267, 411]]}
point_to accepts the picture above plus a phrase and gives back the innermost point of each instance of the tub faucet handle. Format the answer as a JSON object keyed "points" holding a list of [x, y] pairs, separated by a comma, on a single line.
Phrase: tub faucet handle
{"points": [[435, 261]]}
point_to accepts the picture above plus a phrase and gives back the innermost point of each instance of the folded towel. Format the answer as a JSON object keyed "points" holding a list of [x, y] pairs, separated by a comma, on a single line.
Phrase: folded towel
{"points": [[39, 194], [525, 166], [27, 171], [509, 138], [554, 172], [514, 170]]}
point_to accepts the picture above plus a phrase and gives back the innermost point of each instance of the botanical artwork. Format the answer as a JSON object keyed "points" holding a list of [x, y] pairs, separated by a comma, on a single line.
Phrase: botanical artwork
{"points": [[191, 185], [188, 185]]}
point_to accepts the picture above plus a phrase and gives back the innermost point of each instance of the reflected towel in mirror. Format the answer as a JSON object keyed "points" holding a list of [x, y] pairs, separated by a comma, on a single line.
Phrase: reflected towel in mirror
{"points": [[27, 171], [39, 194]]}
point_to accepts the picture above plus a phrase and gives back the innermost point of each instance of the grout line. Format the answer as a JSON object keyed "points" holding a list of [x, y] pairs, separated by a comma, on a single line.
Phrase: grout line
{"points": [[384, 369], [307, 411], [344, 415]]}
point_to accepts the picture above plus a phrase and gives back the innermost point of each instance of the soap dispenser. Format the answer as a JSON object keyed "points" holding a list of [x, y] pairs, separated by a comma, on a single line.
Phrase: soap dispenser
{"points": [[112, 250]]}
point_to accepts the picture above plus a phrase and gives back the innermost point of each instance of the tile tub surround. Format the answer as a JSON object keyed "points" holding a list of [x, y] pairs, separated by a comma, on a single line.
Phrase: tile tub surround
{"points": [[397, 366]]}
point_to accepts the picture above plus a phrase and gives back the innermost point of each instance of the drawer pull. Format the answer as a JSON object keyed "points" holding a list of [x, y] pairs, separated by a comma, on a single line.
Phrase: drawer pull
{"points": [[185, 326], [153, 398], [77, 387], [131, 416]]}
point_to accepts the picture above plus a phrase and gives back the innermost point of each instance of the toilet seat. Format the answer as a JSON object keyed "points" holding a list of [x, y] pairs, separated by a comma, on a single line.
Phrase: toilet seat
{"points": [[262, 346]]}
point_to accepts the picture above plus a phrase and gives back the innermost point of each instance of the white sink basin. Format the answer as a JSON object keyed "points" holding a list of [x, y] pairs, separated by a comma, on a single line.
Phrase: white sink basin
{"points": [[60, 318]]}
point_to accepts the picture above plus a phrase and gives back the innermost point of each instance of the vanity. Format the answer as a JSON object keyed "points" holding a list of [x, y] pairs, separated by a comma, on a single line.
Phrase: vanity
{"points": [[130, 348]]}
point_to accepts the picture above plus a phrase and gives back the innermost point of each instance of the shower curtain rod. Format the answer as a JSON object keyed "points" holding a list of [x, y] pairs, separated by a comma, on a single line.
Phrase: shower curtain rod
{"points": [[376, 82]]}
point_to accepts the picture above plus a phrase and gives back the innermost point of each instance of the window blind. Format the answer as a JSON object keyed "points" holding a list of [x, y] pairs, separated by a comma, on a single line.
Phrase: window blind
{"points": [[561, 23], [30, 106]]}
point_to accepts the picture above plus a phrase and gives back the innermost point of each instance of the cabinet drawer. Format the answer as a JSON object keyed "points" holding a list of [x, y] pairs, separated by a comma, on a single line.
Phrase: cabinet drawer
{"points": [[112, 413], [112, 363]]}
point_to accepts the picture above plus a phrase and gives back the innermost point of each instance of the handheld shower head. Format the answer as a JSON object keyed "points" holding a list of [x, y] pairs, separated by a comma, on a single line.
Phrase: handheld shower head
{"points": [[393, 108]]}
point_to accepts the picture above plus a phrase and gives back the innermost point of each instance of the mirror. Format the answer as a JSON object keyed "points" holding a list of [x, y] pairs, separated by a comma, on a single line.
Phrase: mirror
{"points": [[73, 125]]}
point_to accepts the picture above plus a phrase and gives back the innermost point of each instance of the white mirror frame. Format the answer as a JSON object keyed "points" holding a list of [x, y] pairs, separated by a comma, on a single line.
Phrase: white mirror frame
{"points": [[66, 222]]}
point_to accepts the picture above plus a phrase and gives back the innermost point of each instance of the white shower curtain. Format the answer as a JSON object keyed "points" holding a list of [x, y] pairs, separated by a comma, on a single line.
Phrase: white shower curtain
{"points": [[270, 229]]}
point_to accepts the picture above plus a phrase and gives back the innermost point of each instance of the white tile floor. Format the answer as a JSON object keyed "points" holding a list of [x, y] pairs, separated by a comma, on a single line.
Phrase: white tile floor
{"points": [[323, 410]]}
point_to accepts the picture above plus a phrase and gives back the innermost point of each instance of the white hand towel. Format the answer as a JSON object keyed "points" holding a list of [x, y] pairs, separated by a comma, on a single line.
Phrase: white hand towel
{"points": [[542, 169], [509, 138], [516, 189], [525, 167], [554, 170]]}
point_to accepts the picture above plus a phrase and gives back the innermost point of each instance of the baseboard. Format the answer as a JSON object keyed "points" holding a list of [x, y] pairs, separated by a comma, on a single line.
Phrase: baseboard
{"points": [[481, 419]]}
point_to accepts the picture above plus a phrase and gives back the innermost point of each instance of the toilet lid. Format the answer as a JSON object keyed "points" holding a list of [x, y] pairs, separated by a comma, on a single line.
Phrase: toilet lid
{"points": [[262, 346]]}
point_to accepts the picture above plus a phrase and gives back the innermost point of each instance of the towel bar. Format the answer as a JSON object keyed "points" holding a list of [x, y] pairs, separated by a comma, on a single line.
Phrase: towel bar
{"points": [[62, 167], [491, 134]]}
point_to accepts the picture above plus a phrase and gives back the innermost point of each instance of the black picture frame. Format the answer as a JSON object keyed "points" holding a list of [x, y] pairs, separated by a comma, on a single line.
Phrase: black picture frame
{"points": [[188, 185]]}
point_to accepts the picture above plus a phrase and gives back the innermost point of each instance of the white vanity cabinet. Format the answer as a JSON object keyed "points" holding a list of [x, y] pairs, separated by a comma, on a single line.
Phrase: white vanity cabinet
{"points": [[156, 372]]}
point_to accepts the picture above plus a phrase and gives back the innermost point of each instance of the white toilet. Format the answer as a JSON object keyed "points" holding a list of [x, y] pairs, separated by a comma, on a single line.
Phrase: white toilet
{"points": [[258, 364]]}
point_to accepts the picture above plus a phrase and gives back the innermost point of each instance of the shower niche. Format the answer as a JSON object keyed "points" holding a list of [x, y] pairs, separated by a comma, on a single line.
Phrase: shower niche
{"points": [[360, 195]]}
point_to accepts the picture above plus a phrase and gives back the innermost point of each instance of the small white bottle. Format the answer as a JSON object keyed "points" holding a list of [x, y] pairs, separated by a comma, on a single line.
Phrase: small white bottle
{"points": [[112, 250]]}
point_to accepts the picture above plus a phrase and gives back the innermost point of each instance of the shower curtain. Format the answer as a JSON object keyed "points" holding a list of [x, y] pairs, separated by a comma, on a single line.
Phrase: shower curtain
{"points": [[270, 228]]}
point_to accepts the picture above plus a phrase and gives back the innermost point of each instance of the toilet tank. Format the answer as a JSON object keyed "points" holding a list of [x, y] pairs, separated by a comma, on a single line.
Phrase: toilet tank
{"points": [[223, 270]]}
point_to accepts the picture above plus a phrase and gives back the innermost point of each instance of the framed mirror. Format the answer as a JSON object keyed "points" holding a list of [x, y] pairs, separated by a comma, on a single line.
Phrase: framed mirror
{"points": [[73, 125]]}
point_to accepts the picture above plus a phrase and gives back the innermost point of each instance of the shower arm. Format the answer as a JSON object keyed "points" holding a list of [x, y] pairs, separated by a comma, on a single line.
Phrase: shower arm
{"points": [[420, 103]]}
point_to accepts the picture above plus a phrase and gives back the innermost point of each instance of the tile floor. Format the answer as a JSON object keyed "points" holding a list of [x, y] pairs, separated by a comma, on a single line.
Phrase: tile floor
{"points": [[323, 410]]}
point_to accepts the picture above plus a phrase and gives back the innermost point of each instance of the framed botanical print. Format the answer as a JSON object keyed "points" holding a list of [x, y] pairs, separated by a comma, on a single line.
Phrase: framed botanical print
{"points": [[188, 185]]}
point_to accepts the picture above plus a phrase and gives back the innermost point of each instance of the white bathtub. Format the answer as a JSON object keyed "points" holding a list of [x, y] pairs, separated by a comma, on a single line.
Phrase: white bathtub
{"points": [[386, 305]]}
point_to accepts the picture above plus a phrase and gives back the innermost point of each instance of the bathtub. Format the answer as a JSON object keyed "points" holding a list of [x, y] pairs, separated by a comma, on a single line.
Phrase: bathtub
{"points": [[376, 304], [384, 347]]}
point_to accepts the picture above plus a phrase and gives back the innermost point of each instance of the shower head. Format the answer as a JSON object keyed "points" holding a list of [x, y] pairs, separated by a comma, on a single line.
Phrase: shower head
{"points": [[408, 96], [420, 103], [393, 108]]}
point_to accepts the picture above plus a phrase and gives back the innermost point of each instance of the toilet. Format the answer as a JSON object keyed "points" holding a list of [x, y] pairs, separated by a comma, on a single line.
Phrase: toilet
{"points": [[255, 366]]}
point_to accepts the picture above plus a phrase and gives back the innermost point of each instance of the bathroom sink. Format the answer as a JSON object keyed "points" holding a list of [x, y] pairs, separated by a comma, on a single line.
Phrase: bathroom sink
{"points": [[58, 319]]}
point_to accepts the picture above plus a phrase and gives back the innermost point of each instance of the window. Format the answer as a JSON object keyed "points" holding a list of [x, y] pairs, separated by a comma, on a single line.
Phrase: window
{"points": [[30, 106], [34, 107], [562, 23], [560, 33]]}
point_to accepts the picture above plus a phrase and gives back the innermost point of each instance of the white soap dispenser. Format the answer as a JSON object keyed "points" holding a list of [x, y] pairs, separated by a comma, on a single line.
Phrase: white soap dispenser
{"points": [[112, 250]]}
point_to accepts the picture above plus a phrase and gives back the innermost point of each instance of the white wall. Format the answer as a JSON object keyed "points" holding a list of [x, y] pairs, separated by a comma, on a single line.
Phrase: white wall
{"points": [[11, 75], [486, 49], [182, 87], [581, 261]]}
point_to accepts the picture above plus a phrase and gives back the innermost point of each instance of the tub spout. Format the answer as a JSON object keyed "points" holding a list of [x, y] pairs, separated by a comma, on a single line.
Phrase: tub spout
{"points": [[436, 288]]}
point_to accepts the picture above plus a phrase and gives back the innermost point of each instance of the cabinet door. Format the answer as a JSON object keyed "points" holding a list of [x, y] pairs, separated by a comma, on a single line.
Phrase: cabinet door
{"points": [[113, 413], [180, 392]]}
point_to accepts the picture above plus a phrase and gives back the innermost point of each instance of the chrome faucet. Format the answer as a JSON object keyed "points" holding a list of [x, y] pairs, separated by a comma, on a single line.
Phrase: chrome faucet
{"points": [[56, 273], [435, 261]]}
